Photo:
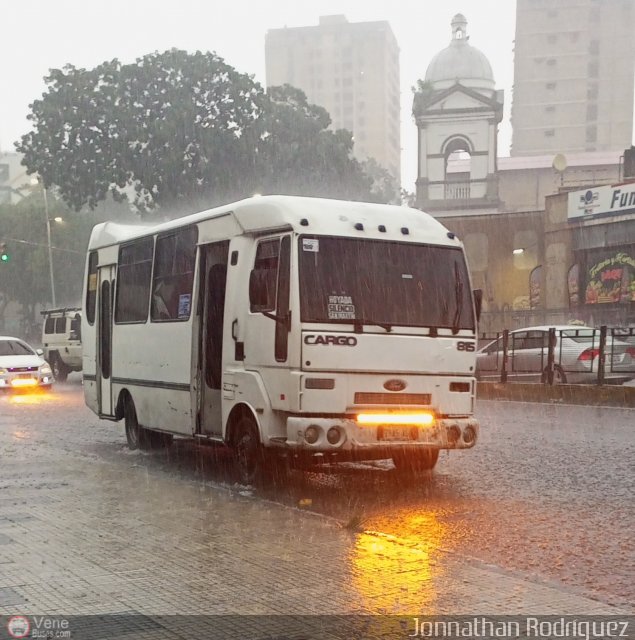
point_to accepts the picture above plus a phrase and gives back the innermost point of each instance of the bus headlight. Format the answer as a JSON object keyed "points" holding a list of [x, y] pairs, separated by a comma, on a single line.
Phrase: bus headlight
{"points": [[312, 434], [333, 435], [45, 370]]}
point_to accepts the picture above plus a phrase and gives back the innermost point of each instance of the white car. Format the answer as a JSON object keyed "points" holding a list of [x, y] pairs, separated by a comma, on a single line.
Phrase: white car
{"points": [[576, 356], [21, 367]]}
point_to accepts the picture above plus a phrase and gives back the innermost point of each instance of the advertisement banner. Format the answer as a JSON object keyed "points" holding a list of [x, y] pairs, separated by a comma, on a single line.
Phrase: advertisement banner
{"points": [[573, 284], [610, 278], [535, 278]]}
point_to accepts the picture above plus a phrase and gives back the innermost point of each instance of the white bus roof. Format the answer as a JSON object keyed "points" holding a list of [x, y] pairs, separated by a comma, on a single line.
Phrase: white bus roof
{"points": [[325, 217]]}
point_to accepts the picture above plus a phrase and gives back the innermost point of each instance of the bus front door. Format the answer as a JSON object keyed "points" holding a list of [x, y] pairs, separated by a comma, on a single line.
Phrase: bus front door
{"points": [[214, 280], [105, 297]]}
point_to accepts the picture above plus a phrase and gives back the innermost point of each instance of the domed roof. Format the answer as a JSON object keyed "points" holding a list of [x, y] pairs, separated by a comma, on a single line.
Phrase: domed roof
{"points": [[460, 62]]}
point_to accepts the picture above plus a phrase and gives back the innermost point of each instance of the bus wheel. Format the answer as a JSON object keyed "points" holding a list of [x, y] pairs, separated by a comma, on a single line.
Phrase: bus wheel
{"points": [[137, 436], [248, 452], [415, 461], [60, 372]]}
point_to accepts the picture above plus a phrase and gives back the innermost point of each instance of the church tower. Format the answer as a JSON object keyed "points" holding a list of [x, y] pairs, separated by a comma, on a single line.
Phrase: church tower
{"points": [[457, 110]]}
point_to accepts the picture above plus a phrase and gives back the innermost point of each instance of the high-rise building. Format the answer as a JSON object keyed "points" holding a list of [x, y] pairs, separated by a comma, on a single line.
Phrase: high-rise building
{"points": [[573, 76], [352, 70]]}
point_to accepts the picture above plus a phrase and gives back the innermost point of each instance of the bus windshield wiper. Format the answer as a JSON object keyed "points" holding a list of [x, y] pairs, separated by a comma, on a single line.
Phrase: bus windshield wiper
{"points": [[359, 323], [458, 298]]}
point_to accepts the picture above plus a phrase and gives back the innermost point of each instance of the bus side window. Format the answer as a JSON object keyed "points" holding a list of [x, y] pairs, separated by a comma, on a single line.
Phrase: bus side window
{"points": [[173, 277], [91, 288]]}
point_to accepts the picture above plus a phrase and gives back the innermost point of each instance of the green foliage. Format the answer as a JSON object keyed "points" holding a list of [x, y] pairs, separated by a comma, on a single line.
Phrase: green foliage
{"points": [[181, 131], [26, 277]]}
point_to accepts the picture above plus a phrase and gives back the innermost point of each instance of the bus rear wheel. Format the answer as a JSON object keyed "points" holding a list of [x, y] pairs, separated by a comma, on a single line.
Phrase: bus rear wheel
{"points": [[415, 461], [137, 436]]}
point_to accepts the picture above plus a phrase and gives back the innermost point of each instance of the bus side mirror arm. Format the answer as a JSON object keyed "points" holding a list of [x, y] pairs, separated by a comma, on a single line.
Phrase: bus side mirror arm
{"points": [[478, 302], [283, 320]]}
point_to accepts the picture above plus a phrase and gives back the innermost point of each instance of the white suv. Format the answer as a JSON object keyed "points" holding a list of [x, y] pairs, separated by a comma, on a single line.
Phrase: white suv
{"points": [[61, 341]]}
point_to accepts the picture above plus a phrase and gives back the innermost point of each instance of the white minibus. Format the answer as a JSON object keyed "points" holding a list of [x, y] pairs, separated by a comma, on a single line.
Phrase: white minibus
{"points": [[288, 328]]}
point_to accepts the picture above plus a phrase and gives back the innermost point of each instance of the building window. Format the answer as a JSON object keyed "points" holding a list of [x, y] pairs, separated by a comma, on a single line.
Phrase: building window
{"points": [[552, 38], [591, 133], [550, 85], [550, 133], [592, 92], [551, 62], [550, 108], [593, 69], [592, 112]]}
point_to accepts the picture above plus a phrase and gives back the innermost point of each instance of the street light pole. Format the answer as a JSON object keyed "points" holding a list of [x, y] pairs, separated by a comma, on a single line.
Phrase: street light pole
{"points": [[48, 242]]}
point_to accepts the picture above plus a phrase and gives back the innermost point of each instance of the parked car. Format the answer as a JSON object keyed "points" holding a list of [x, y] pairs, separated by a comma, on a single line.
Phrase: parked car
{"points": [[61, 341], [21, 366], [576, 356]]}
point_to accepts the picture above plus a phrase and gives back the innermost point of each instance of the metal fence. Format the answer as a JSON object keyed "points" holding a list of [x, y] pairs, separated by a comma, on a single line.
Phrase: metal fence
{"points": [[551, 356]]}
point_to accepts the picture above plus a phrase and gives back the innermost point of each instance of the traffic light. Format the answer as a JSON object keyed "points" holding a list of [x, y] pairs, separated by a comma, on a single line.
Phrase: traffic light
{"points": [[4, 254]]}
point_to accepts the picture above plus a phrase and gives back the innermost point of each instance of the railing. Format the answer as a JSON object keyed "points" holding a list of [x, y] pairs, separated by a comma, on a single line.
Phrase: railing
{"points": [[457, 190], [576, 355]]}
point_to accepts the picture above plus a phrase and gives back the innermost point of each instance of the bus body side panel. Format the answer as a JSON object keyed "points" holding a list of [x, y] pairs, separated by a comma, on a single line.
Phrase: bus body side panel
{"points": [[152, 360]]}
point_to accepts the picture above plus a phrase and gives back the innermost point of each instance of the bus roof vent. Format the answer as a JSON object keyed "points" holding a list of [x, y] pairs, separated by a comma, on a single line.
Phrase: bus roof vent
{"points": [[304, 222], [405, 231], [382, 228], [359, 226], [451, 235]]}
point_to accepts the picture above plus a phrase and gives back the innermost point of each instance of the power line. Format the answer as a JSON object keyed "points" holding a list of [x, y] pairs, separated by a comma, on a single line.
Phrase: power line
{"points": [[39, 244]]}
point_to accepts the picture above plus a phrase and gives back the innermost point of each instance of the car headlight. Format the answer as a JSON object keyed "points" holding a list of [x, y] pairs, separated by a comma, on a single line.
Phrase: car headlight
{"points": [[2, 371], [46, 370]]}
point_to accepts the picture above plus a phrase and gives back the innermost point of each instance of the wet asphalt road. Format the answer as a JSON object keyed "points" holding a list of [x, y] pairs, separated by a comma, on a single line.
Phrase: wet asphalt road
{"points": [[548, 490]]}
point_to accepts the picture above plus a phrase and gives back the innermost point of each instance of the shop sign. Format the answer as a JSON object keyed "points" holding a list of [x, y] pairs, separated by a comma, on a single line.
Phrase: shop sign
{"points": [[609, 199]]}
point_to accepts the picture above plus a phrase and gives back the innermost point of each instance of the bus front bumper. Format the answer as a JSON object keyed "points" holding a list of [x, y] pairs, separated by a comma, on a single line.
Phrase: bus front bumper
{"points": [[333, 434]]}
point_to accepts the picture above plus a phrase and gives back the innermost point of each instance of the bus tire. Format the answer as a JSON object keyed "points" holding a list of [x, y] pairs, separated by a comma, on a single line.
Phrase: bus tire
{"points": [[60, 371], [136, 435], [248, 453], [415, 461]]}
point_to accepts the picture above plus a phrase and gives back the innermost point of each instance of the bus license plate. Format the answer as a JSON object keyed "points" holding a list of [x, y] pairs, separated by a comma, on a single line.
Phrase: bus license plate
{"points": [[396, 434]]}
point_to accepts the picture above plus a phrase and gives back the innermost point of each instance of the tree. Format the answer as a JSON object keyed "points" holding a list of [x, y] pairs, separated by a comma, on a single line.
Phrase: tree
{"points": [[300, 156], [25, 278], [182, 131]]}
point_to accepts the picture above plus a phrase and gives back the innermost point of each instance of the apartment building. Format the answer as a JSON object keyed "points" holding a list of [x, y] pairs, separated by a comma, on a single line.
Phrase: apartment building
{"points": [[352, 70], [573, 76]]}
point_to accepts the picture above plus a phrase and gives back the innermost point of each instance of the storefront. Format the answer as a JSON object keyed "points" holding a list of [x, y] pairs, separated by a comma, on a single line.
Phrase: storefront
{"points": [[601, 282]]}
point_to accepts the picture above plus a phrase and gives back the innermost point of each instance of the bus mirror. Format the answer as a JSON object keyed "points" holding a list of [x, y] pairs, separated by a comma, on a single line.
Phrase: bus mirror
{"points": [[478, 302], [262, 289]]}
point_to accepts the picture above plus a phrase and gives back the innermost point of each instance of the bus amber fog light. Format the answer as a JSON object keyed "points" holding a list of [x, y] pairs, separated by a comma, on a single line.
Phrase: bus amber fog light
{"points": [[421, 419], [333, 435], [469, 434], [312, 434]]}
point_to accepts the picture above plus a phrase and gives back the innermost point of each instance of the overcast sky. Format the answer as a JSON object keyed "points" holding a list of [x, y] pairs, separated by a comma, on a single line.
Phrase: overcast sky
{"points": [[37, 35]]}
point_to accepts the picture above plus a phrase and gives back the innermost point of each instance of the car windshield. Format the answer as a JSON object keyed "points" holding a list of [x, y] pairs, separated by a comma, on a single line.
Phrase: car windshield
{"points": [[346, 280], [14, 348]]}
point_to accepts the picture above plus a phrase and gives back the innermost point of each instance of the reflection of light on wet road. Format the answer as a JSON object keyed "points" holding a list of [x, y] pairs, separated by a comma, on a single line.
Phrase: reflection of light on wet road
{"points": [[37, 397], [398, 574], [21, 435]]}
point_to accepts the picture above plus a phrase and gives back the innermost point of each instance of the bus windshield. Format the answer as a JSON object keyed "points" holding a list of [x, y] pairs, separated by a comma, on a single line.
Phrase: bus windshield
{"points": [[377, 282]]}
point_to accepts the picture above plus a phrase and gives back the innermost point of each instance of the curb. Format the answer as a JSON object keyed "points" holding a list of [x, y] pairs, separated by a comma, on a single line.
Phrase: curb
{"points": [[581, 394]]}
